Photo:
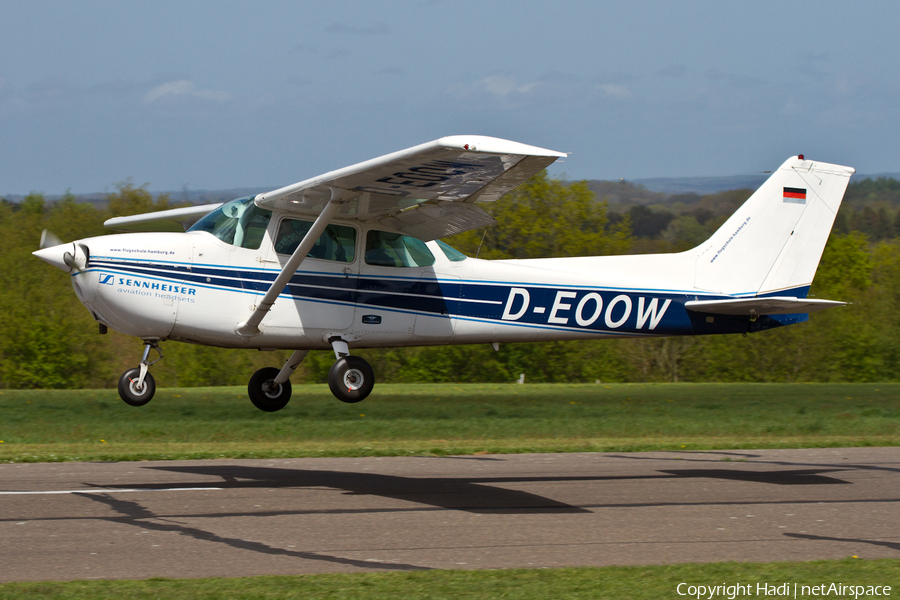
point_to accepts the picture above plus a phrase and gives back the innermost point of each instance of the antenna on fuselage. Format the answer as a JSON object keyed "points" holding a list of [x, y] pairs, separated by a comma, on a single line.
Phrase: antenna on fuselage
{"points": [[477, 252]]}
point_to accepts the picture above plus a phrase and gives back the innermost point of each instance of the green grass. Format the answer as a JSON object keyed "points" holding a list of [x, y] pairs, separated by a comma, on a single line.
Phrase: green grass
{"points": [[59, 425], [589, 583]]}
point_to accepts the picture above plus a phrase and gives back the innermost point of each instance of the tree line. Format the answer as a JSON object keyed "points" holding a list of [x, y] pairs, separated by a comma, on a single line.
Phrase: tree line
{"points": [[48, 339]]}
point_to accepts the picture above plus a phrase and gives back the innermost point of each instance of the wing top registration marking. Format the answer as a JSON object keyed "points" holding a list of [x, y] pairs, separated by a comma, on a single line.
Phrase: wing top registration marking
{"points": [[421, 191]]}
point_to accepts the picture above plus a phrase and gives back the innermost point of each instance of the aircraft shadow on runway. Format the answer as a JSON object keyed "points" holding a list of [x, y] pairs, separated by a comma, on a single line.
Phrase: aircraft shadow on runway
{"points": [[793, 477], [464, 494], [475, 494], [707, 456], [472, 494]]}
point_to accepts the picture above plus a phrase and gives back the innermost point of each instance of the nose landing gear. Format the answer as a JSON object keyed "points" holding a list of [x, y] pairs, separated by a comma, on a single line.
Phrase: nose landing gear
{"points": [[136, 386]]}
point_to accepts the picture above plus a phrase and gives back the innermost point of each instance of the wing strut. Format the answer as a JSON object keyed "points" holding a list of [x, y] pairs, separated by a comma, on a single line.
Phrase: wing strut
{"points": [[250, 327]]}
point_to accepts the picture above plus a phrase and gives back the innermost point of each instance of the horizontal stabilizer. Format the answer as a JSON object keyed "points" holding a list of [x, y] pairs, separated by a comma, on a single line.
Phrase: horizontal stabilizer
{"points": [[173, 220], [775, 305]]}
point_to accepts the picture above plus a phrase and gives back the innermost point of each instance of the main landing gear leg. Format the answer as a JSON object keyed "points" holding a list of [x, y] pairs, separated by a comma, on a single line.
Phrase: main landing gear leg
{"points": [[136, 386], [351, 378], [270, 388]]}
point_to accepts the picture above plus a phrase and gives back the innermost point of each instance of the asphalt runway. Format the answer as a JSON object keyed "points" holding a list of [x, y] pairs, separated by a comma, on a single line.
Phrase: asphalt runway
{"points": [[66, 521]]}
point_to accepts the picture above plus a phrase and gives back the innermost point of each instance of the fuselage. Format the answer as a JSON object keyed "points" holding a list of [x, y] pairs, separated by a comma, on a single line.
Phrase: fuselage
{"points": [[196, 287]]}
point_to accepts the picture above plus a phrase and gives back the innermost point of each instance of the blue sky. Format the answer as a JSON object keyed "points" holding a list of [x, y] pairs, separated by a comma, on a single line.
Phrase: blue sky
{"points": [[214, 95]]}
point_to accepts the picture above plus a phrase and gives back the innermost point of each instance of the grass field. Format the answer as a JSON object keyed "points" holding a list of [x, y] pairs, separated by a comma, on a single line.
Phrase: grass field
{"points": [[60, 425], [618, 583]]}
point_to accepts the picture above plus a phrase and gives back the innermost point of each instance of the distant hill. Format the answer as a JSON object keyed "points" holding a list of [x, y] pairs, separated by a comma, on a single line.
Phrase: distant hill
{"points": [[616, 191], [702, 185], [713, 185], [181, 196]]}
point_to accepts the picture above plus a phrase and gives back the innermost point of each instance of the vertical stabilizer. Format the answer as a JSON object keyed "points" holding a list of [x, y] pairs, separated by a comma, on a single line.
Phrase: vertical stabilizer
{"points": [[774, 241]]}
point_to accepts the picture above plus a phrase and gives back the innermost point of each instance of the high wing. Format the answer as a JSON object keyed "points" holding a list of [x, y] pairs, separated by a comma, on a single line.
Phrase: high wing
{"points": [[772, 305], [174, 220], [427, 191]]}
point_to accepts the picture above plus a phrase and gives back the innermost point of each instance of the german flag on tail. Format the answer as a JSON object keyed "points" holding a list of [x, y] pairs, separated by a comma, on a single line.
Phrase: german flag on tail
{"points": [[795, 195]]}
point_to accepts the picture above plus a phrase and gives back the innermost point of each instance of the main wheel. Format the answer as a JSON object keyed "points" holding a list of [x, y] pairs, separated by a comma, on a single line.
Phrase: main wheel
{"points": [[267, 395], [351, 379], [131, 393]]}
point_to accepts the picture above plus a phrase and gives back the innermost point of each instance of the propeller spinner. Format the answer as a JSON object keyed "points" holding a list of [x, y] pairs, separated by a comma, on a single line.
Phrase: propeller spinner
{"points": [[68, 257]]}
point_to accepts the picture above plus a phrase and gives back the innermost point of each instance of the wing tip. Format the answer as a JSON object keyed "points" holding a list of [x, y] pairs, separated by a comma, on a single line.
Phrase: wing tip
{"points": [[493, 145]]}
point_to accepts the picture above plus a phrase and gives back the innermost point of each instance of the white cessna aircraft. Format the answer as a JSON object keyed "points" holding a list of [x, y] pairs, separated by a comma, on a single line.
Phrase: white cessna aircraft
{"points": [[352, 259]]}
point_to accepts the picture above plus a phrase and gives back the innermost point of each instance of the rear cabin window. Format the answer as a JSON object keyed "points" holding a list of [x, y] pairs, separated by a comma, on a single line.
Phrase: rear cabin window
{"points": [[386, 249], [450, 252], [337, 242]]}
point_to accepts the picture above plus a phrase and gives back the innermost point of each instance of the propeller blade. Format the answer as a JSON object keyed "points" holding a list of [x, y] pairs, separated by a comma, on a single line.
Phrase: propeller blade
{"points": [[49, 239]]}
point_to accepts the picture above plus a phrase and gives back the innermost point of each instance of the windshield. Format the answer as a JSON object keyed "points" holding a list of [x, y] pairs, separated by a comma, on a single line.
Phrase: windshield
{"points": [[240, 223]]}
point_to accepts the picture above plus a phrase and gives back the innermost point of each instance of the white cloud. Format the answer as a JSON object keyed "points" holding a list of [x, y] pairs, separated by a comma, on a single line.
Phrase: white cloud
{"points": [[503, 85], [617, 77], [184, 89], [616, 91]]}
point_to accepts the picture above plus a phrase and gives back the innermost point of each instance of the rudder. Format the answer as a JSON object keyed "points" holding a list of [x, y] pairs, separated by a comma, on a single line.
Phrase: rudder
{"points": [[774, 241]]}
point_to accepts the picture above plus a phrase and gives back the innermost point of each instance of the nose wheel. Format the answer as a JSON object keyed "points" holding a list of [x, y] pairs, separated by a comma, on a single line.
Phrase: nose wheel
{"points": [[136, 386], [134, 391]]}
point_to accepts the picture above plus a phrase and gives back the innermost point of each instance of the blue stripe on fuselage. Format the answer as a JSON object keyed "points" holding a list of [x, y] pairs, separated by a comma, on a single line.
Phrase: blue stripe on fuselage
{"points": [[597, 309]]}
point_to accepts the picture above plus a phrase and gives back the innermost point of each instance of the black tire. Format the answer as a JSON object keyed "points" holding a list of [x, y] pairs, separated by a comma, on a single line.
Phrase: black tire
{"points": [[265, 394], [351, 379], [130, 393]]}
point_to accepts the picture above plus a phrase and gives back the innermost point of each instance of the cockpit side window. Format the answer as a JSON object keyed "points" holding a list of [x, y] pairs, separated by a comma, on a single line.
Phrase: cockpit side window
{"points": [[396, 250], [239, 222], [337, 242]]}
